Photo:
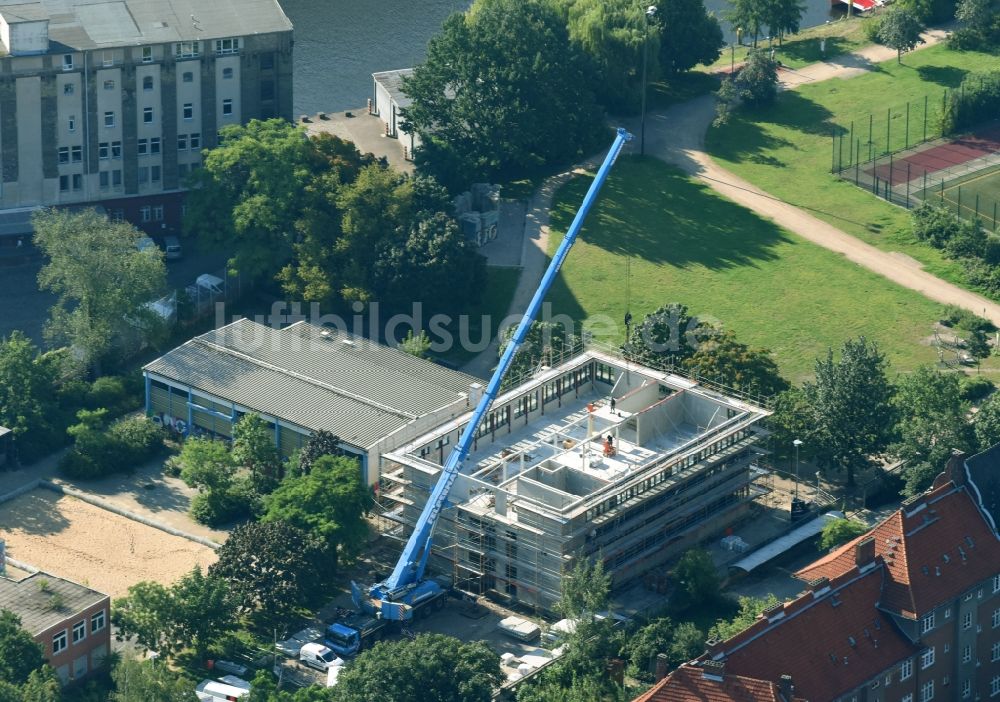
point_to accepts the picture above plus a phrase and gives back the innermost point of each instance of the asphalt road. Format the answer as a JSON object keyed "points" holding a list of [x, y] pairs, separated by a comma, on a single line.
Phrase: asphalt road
{"points": [[23, 306]]}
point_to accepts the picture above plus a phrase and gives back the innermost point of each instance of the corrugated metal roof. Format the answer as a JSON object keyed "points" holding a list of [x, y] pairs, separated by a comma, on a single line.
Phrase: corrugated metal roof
{"points": [[392, 81], [27, 600], [86, 24], [317, 378]]}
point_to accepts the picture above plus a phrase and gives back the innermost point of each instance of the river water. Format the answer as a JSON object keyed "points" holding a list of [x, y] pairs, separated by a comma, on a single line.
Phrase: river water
{"points": [[340, 43]]}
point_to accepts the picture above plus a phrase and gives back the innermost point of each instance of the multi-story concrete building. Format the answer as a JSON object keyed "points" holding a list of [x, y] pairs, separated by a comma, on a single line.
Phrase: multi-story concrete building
{"points": [[594, 456], [113, 102], [70, 621], [909, 612]]}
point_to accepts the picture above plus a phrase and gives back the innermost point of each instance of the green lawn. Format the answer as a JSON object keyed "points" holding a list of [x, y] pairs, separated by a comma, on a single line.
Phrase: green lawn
{"points": [[687, 244], [786, 148], [842, 36]]}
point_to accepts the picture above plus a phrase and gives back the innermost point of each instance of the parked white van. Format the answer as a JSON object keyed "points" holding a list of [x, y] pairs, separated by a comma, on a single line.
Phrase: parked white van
{"points": [[319, 656]]}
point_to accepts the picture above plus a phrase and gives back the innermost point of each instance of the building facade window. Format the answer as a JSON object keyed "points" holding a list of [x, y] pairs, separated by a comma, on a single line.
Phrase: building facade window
{"points": [[109, 85], [967, 620], [196, 140], [996, 617], [995, 686], [907, 697], [966, 689], [158, 213], [905, 670], [116, 178], [102, 180], [227, 106], [67, 63], [227, 46], [71, 123], [116, 149], [79, 631], [64, 183], [109, 119], [267, 61], [77, 181], [68, 89], [927, 691], [154, 145], [147, 54], [59, 642], [143, 176], [927, 658], [188, 110], [995, 652], [927, 623], [76, 154], [107, 59], [187, 49], [187, 77], [147, 82], [967, 654], [182, 142], [142, 146], [147, 115], [227, 74], [154, 175], [103, 151], [63, 154], [144, 213]]}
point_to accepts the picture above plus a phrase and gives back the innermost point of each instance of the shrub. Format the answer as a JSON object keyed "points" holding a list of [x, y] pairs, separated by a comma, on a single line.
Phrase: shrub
{"points": [[976, 387], [976, 100], [215, 508], [108, 391], [75, 465], [138, 439], [98, 451]]}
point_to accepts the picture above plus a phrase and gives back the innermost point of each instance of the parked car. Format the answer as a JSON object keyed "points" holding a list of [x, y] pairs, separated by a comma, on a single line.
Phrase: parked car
{"points": [[172, 248], [222, 690], [144, 243], [318, 656]]}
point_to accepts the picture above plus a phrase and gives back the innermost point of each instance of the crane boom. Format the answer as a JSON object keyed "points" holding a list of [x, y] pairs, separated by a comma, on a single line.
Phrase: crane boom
{"points": [[409, 569]]}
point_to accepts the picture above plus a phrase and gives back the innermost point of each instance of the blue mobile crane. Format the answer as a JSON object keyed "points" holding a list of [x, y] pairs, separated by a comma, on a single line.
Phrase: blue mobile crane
{"points": [[395, 598]]}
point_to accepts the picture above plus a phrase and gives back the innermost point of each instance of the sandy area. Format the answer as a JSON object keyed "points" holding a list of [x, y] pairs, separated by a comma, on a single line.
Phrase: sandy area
{"points": [[68, 537]]}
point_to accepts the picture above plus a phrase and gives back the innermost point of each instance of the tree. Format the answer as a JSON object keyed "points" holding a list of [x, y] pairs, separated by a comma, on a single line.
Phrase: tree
{"points": [[695, 580], [931, 423], [755, 84], [486, 107], [579, 688], [900, 29], [150, 681], [26, 395], [254, 449], [103, 282], [840, 531], [429, 668], [330, 501], [667, 336], [783, 17], [976, 14], [147, 614], [851, 402], [687, 642], [42, 686], [272, 568], [206, 464], [320, 443], [645, 644], [750, 16], [585, 590], [250, 192], [724, 360], [792, 419], [419, 345], [979, 345], [690, 35], [204, 609], [986, 423], [750, 608], [19, 654]]}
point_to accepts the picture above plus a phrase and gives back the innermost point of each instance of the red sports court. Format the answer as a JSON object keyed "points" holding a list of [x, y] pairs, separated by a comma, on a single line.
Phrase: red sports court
{"points": [[940, 157]]}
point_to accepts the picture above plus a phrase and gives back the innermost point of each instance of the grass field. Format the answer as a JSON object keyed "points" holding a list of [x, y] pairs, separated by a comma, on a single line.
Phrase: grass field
{"points": [[785, 148], [842, 36], [974, 195], [687, 244]]}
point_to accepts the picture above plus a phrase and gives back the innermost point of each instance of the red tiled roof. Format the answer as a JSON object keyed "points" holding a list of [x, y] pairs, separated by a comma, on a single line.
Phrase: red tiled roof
{"points": [[688, 684], [934, 549], [828, 644]]}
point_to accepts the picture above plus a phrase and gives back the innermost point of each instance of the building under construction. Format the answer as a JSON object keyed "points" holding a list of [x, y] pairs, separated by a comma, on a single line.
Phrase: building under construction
{"points": [[595, 456]]}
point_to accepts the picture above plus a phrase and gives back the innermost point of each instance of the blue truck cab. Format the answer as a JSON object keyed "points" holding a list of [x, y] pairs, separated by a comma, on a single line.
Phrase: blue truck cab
{"points": [[343, 640]]}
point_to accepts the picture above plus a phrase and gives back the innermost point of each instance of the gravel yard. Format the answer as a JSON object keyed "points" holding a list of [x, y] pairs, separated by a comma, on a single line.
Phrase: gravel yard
{"points": [[70, 538]]}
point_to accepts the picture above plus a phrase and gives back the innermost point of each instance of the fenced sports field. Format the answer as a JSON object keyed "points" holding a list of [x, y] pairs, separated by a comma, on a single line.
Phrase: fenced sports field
{"points": [[960, 171]]}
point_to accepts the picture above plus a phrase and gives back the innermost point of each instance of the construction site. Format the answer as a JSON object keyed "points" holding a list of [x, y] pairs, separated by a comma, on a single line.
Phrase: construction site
{"points": [[596, 457]]}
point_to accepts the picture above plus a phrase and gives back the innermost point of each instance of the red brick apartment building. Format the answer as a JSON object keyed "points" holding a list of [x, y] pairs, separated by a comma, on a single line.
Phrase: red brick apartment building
{"points": [[909, 612], [70, 621]]}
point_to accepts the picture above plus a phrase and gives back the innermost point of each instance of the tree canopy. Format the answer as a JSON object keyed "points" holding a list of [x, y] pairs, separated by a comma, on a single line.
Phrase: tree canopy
{"points": [[485, 106], [149, 681], [724, 360], [840, 531], [428, 668], [899, 29], [101, 280], [272, 567], [19, 654], [330, 501], [26, 395], [695, 580], [689, 35], [750, 608]]}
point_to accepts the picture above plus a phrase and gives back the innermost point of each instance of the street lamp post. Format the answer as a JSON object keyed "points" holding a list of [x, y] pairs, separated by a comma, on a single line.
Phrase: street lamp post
{"points": [[650, 14], [796, 444], [732, 58]]}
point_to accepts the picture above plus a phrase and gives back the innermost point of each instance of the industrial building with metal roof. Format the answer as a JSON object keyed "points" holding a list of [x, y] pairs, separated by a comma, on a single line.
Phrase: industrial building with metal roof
{"points": [[303, 378]]}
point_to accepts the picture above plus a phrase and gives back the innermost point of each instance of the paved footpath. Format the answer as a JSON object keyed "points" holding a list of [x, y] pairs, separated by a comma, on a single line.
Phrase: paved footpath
{"points": [[677, 136]]}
